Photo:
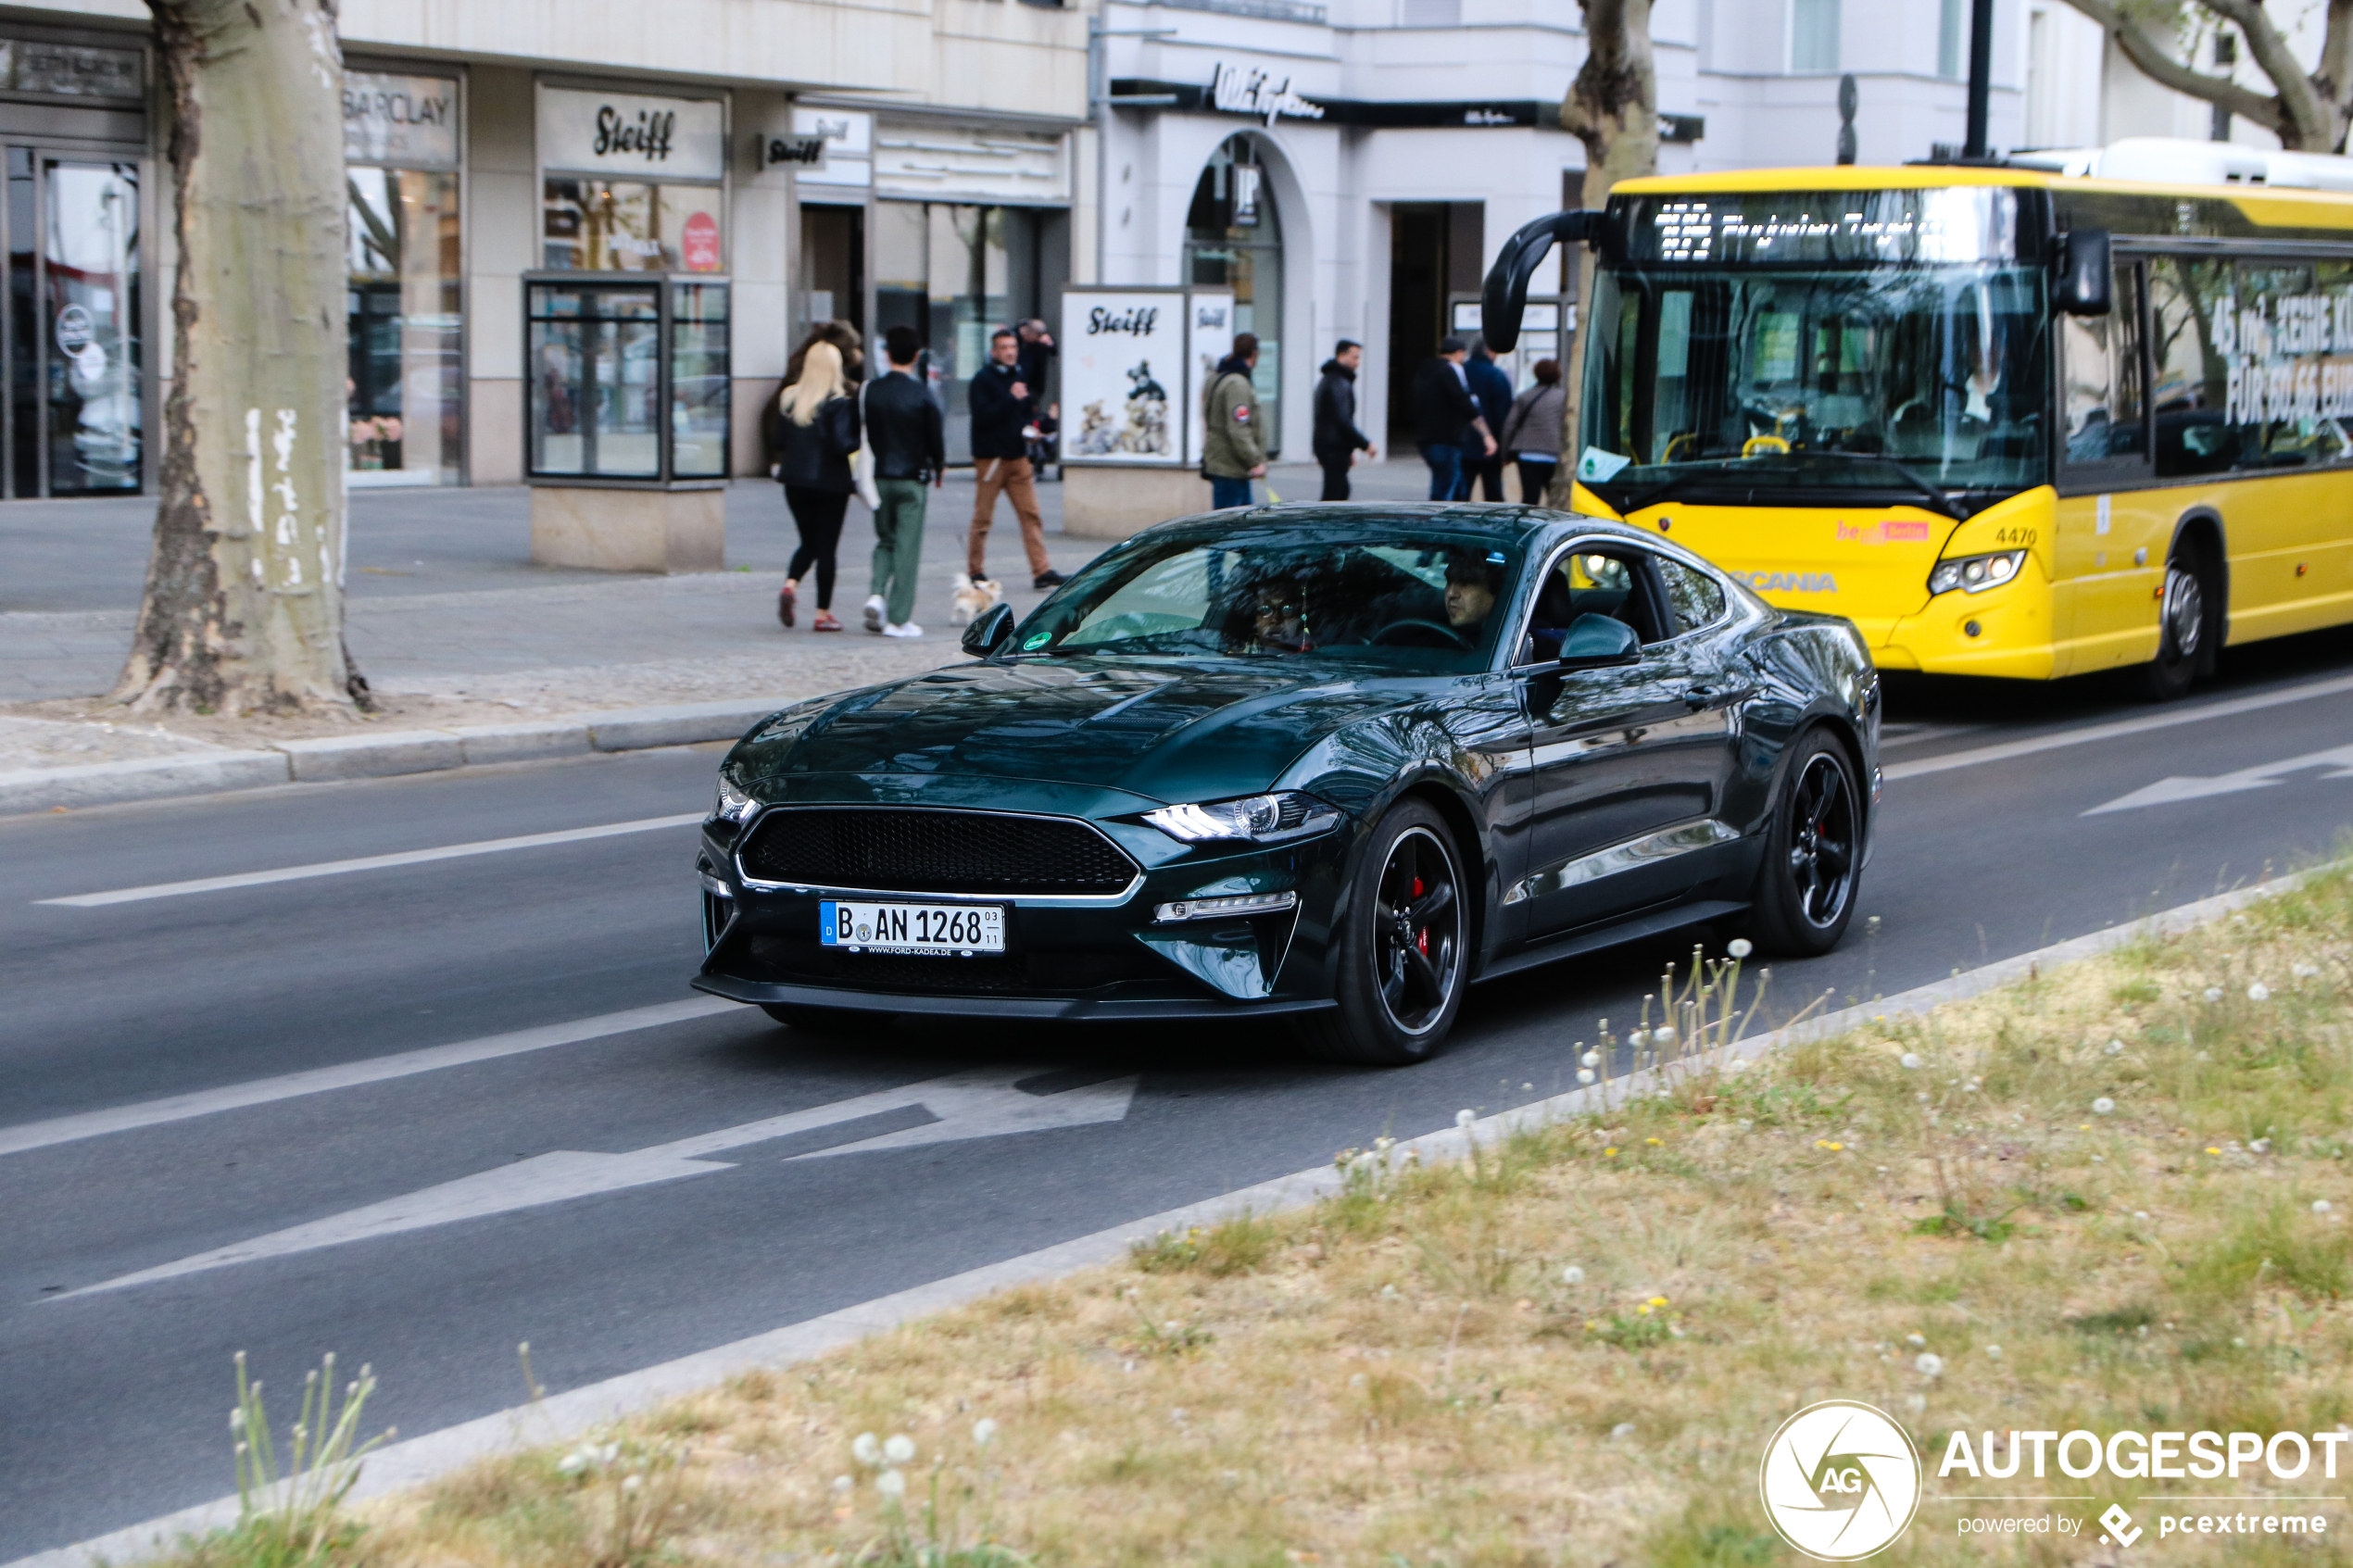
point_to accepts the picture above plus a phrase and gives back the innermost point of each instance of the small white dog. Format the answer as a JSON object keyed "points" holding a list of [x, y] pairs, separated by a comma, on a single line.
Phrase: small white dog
{"points": [[973, 599]]}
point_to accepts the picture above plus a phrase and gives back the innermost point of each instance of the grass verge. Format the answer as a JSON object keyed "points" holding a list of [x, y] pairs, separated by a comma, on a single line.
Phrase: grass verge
{"points": [[2113, 1196]]}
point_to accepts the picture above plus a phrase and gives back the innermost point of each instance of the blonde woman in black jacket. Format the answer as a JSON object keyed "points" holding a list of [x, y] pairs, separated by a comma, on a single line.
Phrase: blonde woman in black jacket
{"points": [[818, 431]]}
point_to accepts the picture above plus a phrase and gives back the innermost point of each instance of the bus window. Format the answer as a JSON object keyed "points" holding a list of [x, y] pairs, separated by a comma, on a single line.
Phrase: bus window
{"points": [[2190, 378], [2284, 340], [2106, 433]]}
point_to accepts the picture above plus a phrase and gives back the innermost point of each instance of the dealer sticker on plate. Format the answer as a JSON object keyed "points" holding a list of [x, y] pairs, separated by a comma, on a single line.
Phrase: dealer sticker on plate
{"points": [[952, 930]]}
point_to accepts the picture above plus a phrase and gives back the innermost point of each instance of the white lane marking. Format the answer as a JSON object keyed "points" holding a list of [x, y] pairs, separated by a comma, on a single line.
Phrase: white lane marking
{"points": [[978, 1104], [2261, 776], [370, 862], [376, 1070], [2008, 749], [561, 1417]]}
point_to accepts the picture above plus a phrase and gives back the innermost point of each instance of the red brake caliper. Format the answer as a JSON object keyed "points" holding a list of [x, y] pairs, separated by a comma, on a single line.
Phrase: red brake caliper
{"points": [[1421, 937]]}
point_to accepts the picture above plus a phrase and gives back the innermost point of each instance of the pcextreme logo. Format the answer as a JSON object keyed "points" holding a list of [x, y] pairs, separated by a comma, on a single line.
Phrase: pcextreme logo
{"points": [[1841, 1480]]}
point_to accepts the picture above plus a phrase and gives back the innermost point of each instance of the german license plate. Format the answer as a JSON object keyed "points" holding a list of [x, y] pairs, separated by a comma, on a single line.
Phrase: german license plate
{"points": [[950, 930]]}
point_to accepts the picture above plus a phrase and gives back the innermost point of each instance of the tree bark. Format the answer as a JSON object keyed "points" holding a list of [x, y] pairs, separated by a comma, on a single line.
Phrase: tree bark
{"points": [[244, 606], [2309, 111], [1612, 107]]}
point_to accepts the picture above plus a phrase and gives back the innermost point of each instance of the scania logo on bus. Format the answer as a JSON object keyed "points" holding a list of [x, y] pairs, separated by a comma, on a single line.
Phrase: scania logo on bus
{"points": [[1793, 582]]}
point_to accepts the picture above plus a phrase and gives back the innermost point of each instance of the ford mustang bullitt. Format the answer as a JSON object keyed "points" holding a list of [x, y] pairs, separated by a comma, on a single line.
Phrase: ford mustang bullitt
{"points": [[1330, 763]]}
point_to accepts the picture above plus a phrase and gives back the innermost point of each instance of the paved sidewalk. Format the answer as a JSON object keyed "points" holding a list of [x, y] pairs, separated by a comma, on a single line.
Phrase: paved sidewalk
{"points": [[453, 624]]}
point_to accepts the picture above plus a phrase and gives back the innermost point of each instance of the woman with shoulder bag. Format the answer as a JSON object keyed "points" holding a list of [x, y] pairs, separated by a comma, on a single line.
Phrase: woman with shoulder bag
{"points": [[1532, 430], [819, 429]]}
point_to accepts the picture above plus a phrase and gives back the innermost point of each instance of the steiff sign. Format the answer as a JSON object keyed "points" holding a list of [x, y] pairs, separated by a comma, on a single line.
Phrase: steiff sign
{"points": [[631, 135], [406, 121]]}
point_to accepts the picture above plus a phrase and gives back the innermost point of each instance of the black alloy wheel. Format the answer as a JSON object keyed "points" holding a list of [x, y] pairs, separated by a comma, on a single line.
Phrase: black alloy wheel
{"points": [[1404, 947], [2186, 602], [1805, 892]]}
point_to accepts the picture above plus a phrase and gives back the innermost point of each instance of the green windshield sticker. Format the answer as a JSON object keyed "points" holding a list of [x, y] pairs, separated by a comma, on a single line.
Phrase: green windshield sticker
{"points": [[1037, 640]]}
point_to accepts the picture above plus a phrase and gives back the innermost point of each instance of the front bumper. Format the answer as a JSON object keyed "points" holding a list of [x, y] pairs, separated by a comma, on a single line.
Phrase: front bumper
{"points": [[1071, 958]]}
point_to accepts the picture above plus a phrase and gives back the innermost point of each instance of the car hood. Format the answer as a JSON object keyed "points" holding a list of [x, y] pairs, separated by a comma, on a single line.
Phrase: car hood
{"points": [[1189, 729]]}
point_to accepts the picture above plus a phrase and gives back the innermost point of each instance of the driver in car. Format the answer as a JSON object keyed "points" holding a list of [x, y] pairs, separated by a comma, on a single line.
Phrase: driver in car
{"points": [[1278, 623], [1471, 585]]}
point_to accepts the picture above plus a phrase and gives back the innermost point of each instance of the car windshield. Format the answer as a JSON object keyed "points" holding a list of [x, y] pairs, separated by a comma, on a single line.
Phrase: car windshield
{"points": [[1418, 601], [1766, 385]]}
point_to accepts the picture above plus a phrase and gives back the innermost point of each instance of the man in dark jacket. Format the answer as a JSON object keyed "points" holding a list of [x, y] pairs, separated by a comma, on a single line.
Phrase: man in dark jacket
{"points": [[1492, 390], [1002, 404], [903, 432], [1448, 425], [1336, 438]]}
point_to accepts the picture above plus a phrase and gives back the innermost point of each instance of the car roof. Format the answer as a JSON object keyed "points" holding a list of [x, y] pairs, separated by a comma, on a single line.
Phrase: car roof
{"points": [[1503, 523]]}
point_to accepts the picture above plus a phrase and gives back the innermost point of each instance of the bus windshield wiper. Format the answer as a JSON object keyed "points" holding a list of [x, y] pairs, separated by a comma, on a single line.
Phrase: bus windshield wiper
{"points": [[1936, 500]]}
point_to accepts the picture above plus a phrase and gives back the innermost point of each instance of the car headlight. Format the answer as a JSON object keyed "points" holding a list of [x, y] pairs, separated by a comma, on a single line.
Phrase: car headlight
{"points": [[733, 805], [1974, 574], [1254, 818]]}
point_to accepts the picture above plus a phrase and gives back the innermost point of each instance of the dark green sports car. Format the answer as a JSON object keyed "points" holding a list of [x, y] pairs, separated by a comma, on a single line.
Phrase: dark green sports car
{"points": [[1330, 762]]}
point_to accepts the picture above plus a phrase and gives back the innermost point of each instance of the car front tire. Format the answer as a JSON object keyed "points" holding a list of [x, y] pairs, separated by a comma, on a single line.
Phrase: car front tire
{"points": [[1806, 889], [1404, 947]]}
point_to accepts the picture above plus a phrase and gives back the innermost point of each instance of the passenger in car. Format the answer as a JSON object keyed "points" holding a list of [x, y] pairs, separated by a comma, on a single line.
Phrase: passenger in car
{"points": [[1471, 586]]}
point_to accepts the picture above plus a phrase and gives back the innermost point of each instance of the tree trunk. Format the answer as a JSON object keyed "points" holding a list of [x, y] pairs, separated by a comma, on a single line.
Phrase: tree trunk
{"points": [[244, 608], [1613, 109]]}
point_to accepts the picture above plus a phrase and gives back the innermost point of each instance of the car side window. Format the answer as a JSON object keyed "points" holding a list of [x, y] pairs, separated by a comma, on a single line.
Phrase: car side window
{"points": [[1589, 579], [1695, 599]]}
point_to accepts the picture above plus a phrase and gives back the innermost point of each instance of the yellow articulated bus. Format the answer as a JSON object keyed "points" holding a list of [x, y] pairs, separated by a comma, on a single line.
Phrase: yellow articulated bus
{"points": [[2010, 421]]}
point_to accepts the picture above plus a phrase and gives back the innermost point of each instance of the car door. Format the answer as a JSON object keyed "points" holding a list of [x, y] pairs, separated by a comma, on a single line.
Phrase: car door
{"points": [[1627, 764]]}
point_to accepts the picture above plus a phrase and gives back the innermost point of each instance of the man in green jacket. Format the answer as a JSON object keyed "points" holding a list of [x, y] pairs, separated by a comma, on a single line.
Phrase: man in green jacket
{"points": [[1234, 451]]}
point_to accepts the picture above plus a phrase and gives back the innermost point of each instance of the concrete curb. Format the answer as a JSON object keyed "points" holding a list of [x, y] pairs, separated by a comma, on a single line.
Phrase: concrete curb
{"points": [[381, 755], [565, 1416]]}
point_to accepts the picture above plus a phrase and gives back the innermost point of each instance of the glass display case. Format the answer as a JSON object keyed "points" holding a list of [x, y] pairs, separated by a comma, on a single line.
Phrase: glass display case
{"points": [[628, 381]]}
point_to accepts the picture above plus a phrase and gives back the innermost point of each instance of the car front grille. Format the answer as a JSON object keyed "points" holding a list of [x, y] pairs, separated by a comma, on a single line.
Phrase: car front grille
{"points": [[899, 849]]}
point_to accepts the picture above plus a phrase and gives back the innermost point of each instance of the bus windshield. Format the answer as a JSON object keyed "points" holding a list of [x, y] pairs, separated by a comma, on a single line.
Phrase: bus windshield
{"points": [[1801, 385]]}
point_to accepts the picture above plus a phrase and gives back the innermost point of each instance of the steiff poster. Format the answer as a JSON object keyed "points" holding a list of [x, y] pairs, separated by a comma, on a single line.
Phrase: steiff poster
{"points": [[1209, 338], [1122, 393]]}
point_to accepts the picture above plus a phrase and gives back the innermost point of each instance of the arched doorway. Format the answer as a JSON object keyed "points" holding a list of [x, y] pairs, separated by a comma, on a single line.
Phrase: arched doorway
{"points": [[1234, 239]]}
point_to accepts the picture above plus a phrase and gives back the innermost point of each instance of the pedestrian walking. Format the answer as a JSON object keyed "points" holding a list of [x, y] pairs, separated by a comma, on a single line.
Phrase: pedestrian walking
{"points": [[1448, 426], [1036, 362], [903, 432], [1234, 452], [819, 430], [1336, 439], [1002, 405], [1493, 391], [1532, 430]]}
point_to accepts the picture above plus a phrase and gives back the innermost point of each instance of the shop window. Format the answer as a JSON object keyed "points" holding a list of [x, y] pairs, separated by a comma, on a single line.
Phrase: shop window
{"points": [[955, 272], [622, 388], [590, 225], [407, 364]]}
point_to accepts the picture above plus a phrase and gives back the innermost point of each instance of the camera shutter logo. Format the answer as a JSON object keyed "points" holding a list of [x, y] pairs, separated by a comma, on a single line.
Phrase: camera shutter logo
{"points": [[1839, 1481]]}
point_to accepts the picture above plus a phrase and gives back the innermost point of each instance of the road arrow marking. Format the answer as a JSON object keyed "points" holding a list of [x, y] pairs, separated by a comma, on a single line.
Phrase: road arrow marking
{"points": [[979, 1104], [2166, 791]]}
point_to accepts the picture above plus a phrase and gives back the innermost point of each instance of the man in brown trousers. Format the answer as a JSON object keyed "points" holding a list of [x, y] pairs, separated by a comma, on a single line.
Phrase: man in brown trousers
{"points": [[1003, 404]]}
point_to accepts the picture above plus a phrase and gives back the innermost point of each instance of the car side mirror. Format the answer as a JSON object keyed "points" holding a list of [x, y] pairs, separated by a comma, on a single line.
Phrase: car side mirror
{"points": [[1596, 642], [989, 631], [2084, 285]]}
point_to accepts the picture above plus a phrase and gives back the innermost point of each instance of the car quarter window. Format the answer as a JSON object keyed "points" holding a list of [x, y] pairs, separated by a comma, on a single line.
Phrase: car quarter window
{"points": [[1694, 599]]}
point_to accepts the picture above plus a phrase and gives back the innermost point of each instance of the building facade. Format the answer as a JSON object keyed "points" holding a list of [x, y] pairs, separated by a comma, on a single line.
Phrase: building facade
{"points": [[585, 238]]}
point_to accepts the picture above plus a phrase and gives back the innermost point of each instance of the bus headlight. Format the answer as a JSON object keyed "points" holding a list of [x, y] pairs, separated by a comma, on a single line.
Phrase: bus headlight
{"points": [[1974, 574]]}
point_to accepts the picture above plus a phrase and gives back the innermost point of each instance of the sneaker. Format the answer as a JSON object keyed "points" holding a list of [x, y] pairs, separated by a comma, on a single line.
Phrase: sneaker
{"points": [[902, 629], [824, 622], [1047, 579], [874, 612], [785, 604]]}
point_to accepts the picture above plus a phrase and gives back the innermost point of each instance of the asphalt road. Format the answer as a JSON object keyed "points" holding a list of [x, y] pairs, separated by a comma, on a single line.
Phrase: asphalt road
{"points": [[113, 1402]]}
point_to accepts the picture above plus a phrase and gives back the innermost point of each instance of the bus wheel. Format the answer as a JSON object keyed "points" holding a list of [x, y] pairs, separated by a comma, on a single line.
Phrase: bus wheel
{"points": [[2185, 622]]}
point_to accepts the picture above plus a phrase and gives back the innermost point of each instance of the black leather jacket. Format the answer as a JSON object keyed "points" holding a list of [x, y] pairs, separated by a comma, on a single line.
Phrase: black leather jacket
{"points": [[903, 427], [998, 415], [817, 456]]}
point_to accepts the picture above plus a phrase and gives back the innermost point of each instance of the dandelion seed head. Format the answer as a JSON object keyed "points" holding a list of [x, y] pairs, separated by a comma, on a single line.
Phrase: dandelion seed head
{"points": [[1584, 1074], [1910, 1060], [1590, 1059], [2214, 993], [1916, 1402], [891, 1484], [2102, 1107], [1572, 1275], [1464, 1117], [2306, 971], [631, 1484], [1928, 1364], [1663, 1034], [2320, 1206], [1622, 1431], [1739, 946], [1994, 1351], [2260, 1145], [842, 1483], [983, 1430], [2140, 1216], [1916, 1341], [901, 1449], [2259, 992], [867, 1449]]}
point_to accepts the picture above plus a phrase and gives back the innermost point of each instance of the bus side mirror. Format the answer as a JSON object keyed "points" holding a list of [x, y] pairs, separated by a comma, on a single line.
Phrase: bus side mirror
{"points": [[2083, 284], [1505, 299], [989, 631]]}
